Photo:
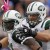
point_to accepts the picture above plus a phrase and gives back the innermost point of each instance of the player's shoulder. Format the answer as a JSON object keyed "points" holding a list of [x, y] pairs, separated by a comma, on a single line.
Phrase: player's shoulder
{"points": [[46, 23], [47, 20]]}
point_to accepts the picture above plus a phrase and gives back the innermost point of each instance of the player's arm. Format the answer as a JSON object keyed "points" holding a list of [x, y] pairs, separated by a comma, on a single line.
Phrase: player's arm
{"points": [[4, 42], [33, 44], [5, 7], [20, 37], [44, 35]]}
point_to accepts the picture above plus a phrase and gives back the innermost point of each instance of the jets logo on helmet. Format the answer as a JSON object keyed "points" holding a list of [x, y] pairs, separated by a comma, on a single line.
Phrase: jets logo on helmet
{"points": [[41, 8], [18, 15]]}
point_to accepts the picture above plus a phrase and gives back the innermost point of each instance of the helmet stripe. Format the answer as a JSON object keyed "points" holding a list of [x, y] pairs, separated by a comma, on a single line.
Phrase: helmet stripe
{"points": [[32, 6], [8, 13]]}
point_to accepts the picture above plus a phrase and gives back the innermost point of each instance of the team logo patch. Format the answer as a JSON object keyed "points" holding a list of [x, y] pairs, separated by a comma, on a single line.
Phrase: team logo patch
{"points": [[41, 8], [18, 15]]}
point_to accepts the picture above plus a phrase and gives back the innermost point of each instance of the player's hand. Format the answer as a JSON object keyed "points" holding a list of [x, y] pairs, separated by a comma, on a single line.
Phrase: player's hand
{"points": [[27, 31], [5, 7], [21, 33], [24, 29]]}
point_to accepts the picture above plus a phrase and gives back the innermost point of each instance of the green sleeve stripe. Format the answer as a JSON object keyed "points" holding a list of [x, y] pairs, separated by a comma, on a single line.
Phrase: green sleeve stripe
{"points": [[8, 14], [47, 25], [32, 6]]}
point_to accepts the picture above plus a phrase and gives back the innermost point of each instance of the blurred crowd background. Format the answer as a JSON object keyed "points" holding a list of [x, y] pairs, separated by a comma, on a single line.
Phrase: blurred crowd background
{"points": [[21, 6]]}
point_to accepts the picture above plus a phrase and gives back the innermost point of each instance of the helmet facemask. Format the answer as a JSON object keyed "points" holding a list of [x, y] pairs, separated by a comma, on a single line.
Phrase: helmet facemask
{"points": [[9, 24], [34, 19]]}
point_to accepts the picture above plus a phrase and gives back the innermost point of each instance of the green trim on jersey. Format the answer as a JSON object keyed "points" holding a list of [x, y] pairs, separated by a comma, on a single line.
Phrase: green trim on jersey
{"points": [[47, 25], [43, 23], [10, 46], [32, 6]]}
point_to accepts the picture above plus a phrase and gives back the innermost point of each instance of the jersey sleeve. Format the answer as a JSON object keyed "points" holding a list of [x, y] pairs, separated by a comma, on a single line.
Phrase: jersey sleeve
{"points": [[46, 24]]}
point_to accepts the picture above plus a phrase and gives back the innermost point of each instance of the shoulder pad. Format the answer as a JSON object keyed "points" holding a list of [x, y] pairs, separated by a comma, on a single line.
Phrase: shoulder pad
{"points": [[46, 24]]}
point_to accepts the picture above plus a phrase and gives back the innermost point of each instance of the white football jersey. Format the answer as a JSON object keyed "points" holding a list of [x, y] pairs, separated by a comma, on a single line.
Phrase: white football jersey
{"points": [[40, 27], [13, 44], [45, 24]]}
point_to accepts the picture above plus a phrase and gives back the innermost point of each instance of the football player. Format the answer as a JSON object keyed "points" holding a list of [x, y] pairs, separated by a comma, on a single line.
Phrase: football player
{"points": [[12, 23], [37, 18], [36, 21]]}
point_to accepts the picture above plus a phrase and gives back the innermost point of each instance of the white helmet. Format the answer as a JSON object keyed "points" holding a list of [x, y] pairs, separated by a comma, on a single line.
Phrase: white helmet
{"points": [[37, 8], [10, 19]]}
